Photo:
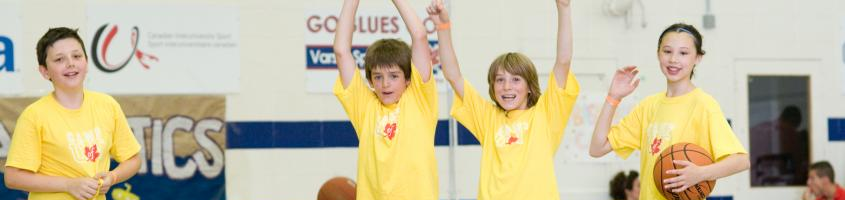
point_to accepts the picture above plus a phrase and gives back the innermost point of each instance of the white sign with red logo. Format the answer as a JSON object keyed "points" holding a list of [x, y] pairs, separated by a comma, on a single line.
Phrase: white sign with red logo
{"points": [[163, 49], [371, 25], [10, 68]]}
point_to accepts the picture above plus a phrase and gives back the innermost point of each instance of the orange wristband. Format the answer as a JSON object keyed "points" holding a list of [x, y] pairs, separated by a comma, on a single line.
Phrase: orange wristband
{"points": [[444, 26], [613, 102]]}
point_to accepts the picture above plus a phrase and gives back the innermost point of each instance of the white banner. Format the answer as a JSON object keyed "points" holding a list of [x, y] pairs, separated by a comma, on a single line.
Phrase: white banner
{"points": [[371, 25], [10, 35], [137, 49]]}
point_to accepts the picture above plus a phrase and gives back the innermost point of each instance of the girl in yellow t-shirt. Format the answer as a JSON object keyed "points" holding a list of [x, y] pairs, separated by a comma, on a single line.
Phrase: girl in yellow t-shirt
{"points": [[63, 142], [683, 113], [521, 132]]}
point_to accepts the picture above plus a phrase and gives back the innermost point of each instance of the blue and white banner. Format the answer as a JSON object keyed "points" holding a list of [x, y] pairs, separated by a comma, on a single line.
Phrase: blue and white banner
{"points": [[371, 25], [10, 35]]}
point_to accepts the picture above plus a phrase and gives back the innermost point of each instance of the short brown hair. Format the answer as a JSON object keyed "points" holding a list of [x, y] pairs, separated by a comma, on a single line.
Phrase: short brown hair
{"points": [[50, 38], [823, 169], [516, 64], [388, 52]]}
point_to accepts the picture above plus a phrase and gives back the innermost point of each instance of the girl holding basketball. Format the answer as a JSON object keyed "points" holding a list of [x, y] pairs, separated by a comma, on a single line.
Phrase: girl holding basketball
{"points": [[521, 132], [683, 113]]}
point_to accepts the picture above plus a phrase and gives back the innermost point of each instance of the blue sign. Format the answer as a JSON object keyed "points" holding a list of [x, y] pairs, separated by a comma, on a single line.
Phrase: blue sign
{"points": [[7, 54], [322, 56], [836, 129]]}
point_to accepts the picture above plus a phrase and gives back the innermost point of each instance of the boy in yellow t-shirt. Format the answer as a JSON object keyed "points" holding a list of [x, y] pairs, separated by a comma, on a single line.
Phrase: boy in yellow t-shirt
{"points": [[521, 132], [63, 142], [683, 113], [395, 121]]}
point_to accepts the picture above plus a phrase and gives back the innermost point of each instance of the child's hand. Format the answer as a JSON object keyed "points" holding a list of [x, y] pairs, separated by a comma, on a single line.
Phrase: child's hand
{"points": [[623, 82], [689, 175], [81, 188], [437, 12], [108, 181]]}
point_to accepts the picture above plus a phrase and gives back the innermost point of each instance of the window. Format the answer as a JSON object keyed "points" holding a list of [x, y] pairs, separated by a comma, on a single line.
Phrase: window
{"points": [[779, 137]]}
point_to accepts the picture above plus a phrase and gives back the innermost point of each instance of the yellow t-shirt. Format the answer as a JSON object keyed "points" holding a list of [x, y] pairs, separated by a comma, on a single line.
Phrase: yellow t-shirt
{"points": [[54, 141], [660, 121], [396, 142], [518, 148]]}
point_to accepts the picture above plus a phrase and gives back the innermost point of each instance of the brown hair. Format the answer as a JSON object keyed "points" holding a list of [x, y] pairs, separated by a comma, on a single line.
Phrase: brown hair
{"points": [[50, 38], [823, 169], [622, 182], [386, 53], [516, 64]]}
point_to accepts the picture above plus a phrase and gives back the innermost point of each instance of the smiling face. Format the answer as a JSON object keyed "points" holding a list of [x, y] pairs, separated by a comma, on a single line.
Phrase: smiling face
{"points": [[66, 64], [511, 91], [389, 83], [678, 56], [513, 82]]}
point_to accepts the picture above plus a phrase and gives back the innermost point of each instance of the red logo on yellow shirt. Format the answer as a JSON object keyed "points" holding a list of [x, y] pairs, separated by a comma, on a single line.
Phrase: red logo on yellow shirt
{"points": [[511, 134], [655, 145], [390, 131], [512, 139], [657, 132], [91, 153], [85, 146], [388, 125]]}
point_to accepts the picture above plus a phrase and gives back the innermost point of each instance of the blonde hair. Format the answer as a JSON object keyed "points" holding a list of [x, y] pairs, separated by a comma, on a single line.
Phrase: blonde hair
{"points": [[516, 64]]}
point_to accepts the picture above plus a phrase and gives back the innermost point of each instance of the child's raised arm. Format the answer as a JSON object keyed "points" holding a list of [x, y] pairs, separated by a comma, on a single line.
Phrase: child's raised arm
{"points": [[623, 84], [343, 42], [448, 60], [420, 51], [563, 59]]}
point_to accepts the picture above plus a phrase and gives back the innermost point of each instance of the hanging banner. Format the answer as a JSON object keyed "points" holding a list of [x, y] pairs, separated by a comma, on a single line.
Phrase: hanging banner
{"points": [[371, 25], [10, 69], [163, 49]]}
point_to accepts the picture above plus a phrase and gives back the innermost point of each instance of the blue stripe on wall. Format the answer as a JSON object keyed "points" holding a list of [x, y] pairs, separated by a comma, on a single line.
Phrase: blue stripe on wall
{"points": [[720, 198], [315, 134]]}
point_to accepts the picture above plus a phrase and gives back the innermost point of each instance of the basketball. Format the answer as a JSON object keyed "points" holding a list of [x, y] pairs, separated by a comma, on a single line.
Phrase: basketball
{"points": [[337, 188], [682, 151]]}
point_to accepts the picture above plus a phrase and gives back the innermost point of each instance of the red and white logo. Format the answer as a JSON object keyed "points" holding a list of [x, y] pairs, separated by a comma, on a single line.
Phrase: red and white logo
{"points": [[389, 122], [390, 130], [511, 134], [91, 153], [655, 145], [104, 39]]}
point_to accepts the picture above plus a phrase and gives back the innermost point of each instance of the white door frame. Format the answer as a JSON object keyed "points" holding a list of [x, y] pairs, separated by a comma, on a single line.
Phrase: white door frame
{"points": [[745, 67]]}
